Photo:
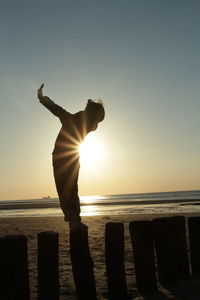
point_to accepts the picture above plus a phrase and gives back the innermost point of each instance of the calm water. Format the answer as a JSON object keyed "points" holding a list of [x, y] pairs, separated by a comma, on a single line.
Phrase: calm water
{"points": [[151, 203]]}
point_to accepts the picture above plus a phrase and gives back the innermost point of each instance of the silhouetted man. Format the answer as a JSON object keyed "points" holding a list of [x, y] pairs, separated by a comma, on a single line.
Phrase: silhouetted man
{"points": [[66, 151]]}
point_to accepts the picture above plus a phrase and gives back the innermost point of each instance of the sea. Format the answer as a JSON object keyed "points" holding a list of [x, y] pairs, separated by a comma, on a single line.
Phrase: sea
{"points": [[146, 203]]}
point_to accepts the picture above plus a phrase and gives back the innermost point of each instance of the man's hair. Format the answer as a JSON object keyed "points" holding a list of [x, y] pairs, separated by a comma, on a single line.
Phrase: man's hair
{"points": [[96, 109]]}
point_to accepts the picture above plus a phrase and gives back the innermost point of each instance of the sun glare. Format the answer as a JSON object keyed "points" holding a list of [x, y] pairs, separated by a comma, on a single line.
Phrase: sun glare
{"points": [[91, 150]]}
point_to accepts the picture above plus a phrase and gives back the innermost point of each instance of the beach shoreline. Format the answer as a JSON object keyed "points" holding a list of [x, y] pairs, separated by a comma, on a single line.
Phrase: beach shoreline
{"points": [[31, 226]]}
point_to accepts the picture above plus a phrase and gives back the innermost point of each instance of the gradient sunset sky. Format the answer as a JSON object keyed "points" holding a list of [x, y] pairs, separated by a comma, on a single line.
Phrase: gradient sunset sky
{"points": [[141, 57]]}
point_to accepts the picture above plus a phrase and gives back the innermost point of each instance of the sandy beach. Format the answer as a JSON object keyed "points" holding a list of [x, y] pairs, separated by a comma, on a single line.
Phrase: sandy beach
{"points": [[30, 227]]}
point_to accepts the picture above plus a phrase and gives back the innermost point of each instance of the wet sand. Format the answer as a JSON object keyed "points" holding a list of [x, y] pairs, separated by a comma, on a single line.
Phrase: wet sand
{"points": [[32, 226]]}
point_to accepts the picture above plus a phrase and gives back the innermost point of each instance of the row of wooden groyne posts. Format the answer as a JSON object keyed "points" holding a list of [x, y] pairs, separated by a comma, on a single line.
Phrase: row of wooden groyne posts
{"points": [[163, 240]]}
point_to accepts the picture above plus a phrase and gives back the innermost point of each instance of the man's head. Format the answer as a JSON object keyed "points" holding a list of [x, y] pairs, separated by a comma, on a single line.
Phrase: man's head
{"points": [[95, 113]]}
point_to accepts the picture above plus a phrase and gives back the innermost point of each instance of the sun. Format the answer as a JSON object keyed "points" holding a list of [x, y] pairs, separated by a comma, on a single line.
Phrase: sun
{"points": [[92, 150]]}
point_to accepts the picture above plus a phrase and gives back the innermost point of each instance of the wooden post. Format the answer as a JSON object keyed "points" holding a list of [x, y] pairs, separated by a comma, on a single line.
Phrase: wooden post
{"points": [[82, 264], [194, 237], [143, 254], [115, 266], [170, 243], [14, 280], [48, 278]]}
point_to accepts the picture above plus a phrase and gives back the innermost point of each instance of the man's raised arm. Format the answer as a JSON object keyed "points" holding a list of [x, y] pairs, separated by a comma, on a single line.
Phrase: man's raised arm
{"points": [[57, 110]]}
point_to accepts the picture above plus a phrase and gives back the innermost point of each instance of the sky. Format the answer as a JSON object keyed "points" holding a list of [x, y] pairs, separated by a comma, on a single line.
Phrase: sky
{"points": [[140, 57]]}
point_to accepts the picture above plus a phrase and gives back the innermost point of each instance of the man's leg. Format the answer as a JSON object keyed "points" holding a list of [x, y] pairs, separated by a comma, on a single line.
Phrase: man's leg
{"points": [[67, 188]]}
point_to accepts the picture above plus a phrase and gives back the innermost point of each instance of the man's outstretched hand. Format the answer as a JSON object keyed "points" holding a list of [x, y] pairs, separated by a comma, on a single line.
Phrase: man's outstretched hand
{"points": [[40, 92], [40, 95]]}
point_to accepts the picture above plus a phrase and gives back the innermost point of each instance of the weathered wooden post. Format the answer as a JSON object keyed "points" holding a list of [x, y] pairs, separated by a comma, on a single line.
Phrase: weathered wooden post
{"points": [[48, 277], [194, 237], [115, 266], [170, 243], [82, 264], [14, 280], [143, 254]]}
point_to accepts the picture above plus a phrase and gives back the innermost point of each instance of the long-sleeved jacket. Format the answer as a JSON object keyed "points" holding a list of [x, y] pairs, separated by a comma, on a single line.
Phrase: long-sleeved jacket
{"points": [[72, 132]]}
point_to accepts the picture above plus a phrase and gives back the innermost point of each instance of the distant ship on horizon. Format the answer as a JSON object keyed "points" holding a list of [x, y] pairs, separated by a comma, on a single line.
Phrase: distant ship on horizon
{"points": [[46, 197]]}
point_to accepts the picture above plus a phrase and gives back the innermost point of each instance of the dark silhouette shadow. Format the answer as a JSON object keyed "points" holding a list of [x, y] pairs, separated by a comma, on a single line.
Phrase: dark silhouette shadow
{"points": [[154, 295], [189, 289], [66, 165]]}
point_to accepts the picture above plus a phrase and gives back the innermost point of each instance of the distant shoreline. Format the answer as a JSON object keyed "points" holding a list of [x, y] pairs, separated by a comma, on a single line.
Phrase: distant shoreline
{"points": [[105, 196], [24, 205]]}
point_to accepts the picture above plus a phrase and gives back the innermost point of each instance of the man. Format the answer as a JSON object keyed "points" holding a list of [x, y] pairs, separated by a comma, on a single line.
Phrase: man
{"points": [[66, 151]]}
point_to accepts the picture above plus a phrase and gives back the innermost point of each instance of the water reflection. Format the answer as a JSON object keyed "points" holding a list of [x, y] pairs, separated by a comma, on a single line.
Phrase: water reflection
{"points": [[91, 199], [103, 209], [89, 210]]}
